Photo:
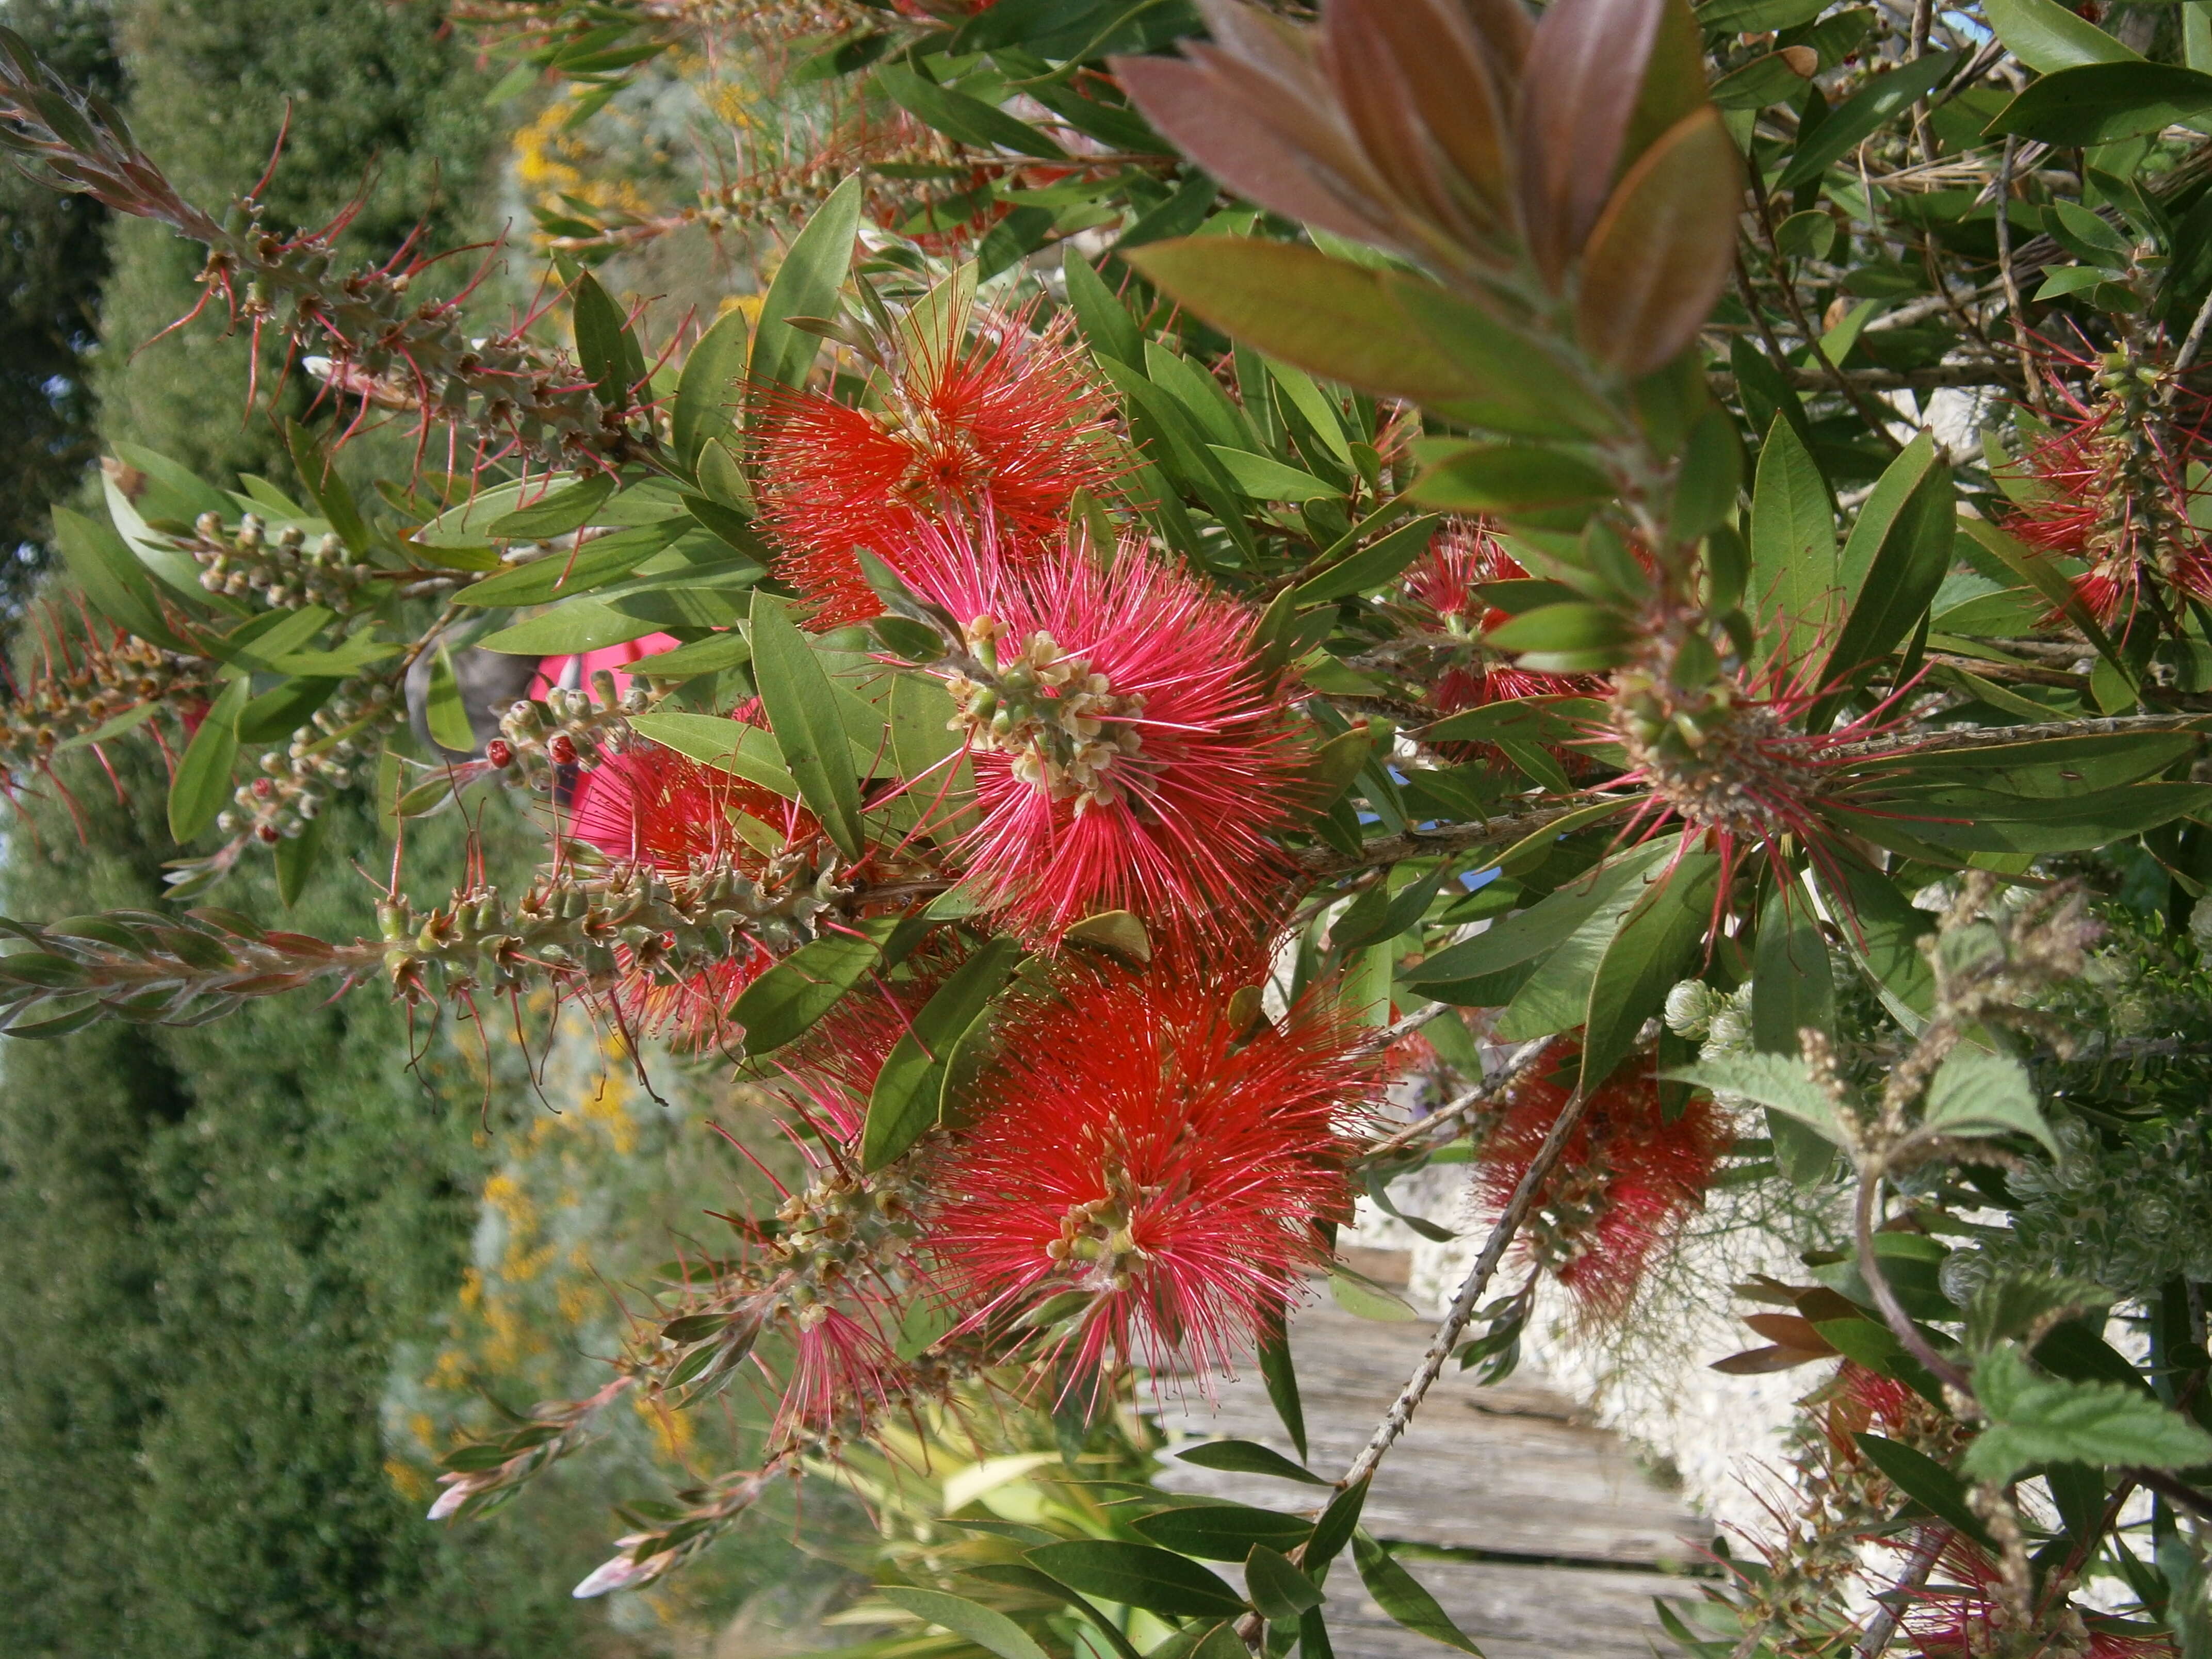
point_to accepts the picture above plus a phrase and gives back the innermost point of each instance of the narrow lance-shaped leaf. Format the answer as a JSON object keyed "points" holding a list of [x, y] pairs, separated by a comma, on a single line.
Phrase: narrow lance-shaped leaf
{"points": [[805, 285], [802, 711]]}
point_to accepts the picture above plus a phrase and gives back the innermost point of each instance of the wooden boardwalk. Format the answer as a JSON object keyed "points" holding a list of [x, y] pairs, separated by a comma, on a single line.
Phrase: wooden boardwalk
{"points": [[1559, 1538]]}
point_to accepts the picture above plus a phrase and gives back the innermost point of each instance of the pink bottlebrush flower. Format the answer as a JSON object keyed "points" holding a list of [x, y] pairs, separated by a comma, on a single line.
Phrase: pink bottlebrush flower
{"points": [[2113, 484], [1626, 1180], [1005, 424], [1149, 762], [1142, 1150]]}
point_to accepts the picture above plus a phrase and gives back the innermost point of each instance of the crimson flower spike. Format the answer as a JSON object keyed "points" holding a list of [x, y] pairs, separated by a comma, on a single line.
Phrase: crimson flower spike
{"points": [[1153, 1150], [537, 402], [981, 419]]}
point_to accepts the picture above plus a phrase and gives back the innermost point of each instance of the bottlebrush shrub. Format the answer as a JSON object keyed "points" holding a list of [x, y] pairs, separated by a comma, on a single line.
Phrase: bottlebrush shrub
{"points": [[1448, 540]]}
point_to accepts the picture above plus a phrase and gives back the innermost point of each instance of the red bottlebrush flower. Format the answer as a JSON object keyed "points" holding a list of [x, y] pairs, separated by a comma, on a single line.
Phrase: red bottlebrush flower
{"points": [[1003, 424], [1440, 596], [1130, 756], [1625, 1181], [1141, 1150], [2115, 485], [651, 806]]}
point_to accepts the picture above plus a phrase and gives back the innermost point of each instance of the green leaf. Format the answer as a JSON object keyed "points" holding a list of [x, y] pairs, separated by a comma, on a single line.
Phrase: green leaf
{"points": [[2045, 36], [706, 391], [577, 625], [2099, 103], [258, 644], [1105, 321], [1279, 1589], [1979, 1093], [329, 489], [1859, 117], [743, 751], [1349, 323], [1222, 1531], [1542, 927], [1335, 1528], [201, 787], [1791, 989], [923, 747], [784, 1002], [711, 655], [960, 115], [1661, 939], [1369, 568], [1399, 1594], [115, 584], [1768, 79], [802, 709], [1138, 1576], [131, 719], [1363, 1298], [1247, 1457], [1513, 480], [1281, 1378], [987, 1627], [1793, 593], [1925, 1481], [1264, 479], [1778, 1082], [606, 344], [1556, 995], [805, 285], [1896, 558], [562, 574], [904, 1101], [1756, 17], [445, 714], [297, 857], [2036, 1420], [1566, 638], [556, 513]]}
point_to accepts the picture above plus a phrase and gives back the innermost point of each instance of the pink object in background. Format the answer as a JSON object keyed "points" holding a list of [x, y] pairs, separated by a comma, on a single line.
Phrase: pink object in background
{"points": [[576, 672]]}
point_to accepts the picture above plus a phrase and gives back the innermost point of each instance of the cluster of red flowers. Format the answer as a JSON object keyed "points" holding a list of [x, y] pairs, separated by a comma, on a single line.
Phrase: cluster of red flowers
{"points": [[1150, 1161], [1146, 1164]]}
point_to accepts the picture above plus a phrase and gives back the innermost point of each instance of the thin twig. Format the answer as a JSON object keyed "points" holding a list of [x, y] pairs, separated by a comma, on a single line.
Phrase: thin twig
{"points": [[1881, 1629], [1469, 1296], [1453, 1110], [2011, 279], [2191, 346], [1390, 1036]]}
